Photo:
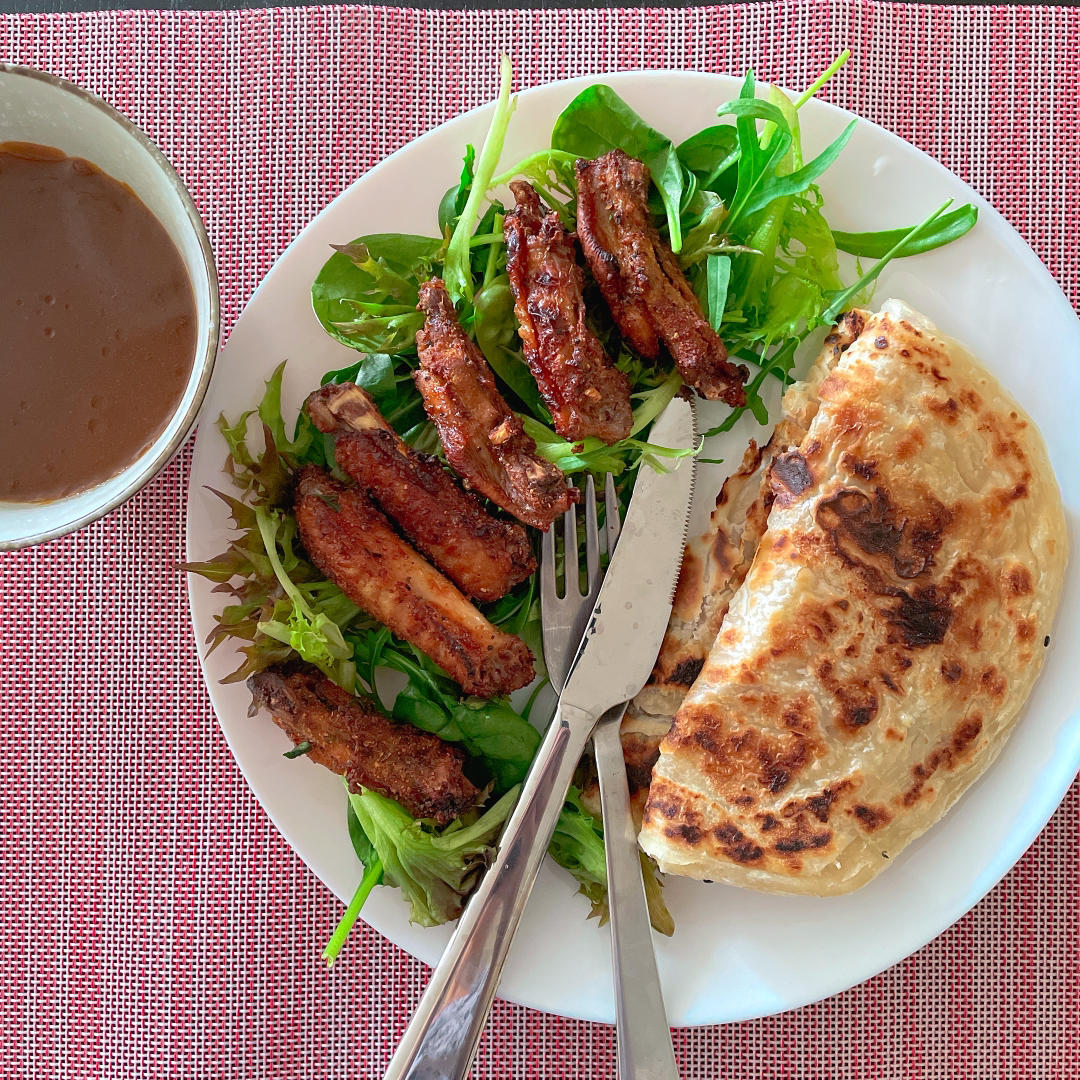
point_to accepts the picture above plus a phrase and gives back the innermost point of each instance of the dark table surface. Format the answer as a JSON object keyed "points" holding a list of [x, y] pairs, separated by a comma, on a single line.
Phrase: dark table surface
{"points": [[225, 5]]}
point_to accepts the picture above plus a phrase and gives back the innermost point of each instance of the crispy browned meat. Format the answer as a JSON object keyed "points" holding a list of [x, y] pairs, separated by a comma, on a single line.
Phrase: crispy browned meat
{"points": [[353, 738], [357, 549], [483, 439], [586, 393], [644, 286], [483, 555]]}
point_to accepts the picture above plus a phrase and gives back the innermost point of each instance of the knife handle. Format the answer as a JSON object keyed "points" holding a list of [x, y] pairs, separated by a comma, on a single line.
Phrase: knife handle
{"points": [[643, 1038], [441, 1039]]}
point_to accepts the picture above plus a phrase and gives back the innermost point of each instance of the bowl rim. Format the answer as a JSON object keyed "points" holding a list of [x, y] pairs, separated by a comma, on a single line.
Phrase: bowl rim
{"points": [[206, 354]]}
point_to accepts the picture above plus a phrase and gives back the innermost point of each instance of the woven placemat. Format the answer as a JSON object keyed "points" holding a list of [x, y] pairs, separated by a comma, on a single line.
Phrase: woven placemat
{"points": [[152, 922]]}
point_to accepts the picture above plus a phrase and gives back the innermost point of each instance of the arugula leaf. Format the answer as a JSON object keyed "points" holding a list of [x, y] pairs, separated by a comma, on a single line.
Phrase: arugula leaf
{"points": [[874, 245], [436, 869], [797, 182], [365, 295], [718, 277], [846, 296], [598, 120]]}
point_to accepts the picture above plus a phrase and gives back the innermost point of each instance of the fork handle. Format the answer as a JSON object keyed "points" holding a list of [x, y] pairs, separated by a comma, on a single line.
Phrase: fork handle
{"points": [[441, 1039], [643, 1038]]}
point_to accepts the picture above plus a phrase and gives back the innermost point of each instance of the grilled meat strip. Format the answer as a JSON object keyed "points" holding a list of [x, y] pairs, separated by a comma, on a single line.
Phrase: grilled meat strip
{"points": [[357, 549], [353, 738], [586, 393], [483, 555], [648, 294], [483, 439]]}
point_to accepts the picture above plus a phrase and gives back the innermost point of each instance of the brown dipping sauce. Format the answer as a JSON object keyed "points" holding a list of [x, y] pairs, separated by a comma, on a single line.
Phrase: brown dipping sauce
{"points": [[97, 325]]}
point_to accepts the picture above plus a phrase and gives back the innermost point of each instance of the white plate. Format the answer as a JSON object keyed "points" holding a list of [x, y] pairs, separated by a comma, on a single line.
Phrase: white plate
{"points": [[735, 954]]}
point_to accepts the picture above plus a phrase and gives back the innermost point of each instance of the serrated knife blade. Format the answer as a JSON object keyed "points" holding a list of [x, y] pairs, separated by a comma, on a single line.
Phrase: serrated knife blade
{"points": [[632, 610]]}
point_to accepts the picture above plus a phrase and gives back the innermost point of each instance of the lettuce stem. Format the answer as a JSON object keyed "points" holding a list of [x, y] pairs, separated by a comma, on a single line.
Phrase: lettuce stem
{"points": [[457, 271], [823, 78], [372, 877]]}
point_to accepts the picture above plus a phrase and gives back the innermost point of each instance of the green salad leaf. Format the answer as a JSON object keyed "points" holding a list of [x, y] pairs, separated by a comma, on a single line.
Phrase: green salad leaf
{"points": [[598, 120], [453, 202], [457, 270], [578, 845], [372, 876], [489, 729], [436, 869], [495, 327], [875, 245], [366, 293]]}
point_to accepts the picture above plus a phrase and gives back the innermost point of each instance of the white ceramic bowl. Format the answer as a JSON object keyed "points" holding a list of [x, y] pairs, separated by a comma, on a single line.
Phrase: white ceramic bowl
{"points": [[41, 108]]}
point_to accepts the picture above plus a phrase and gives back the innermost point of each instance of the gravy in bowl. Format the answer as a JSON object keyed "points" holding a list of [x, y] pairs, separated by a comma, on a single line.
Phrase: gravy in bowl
{"points": [[99, 325]]}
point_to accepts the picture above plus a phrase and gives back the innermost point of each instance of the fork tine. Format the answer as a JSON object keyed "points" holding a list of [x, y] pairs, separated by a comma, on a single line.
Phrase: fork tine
{"points": [[592, 540], [549, 587], [572, 581], [612, 524]]}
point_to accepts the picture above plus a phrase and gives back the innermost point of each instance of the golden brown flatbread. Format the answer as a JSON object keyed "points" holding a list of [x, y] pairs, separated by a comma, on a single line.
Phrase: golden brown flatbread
{"points": [[890, 628], [714, 566]]}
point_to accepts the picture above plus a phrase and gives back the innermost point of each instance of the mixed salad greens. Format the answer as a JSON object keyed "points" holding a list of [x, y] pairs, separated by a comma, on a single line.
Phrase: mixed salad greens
{"points": [[739, 205]]}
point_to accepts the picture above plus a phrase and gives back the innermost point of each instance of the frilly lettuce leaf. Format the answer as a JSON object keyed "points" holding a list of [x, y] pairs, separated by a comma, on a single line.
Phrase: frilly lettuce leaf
{"points": [[436, 869]]}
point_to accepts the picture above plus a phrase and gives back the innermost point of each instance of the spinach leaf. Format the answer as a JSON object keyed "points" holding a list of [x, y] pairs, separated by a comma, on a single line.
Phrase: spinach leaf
{"points": [[488, 729], [711, 155], [366, 293], [388, 379], [598, 120], [496, 329]]}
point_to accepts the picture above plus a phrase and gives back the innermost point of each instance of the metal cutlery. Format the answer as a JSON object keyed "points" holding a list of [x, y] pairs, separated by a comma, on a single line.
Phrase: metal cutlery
{"points": [[616, 654], [643, 1038]]}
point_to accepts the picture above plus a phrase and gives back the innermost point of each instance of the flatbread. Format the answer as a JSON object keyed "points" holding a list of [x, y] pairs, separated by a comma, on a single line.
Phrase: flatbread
{"points": [[714, 566], [890, 628]]}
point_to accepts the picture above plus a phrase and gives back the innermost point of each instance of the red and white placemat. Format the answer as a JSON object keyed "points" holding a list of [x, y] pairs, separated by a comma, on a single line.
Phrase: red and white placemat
{"points": [[152, 922]]}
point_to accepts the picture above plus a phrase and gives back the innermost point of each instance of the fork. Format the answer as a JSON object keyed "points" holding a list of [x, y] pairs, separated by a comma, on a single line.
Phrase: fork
{"points": [[643, 1038]]}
